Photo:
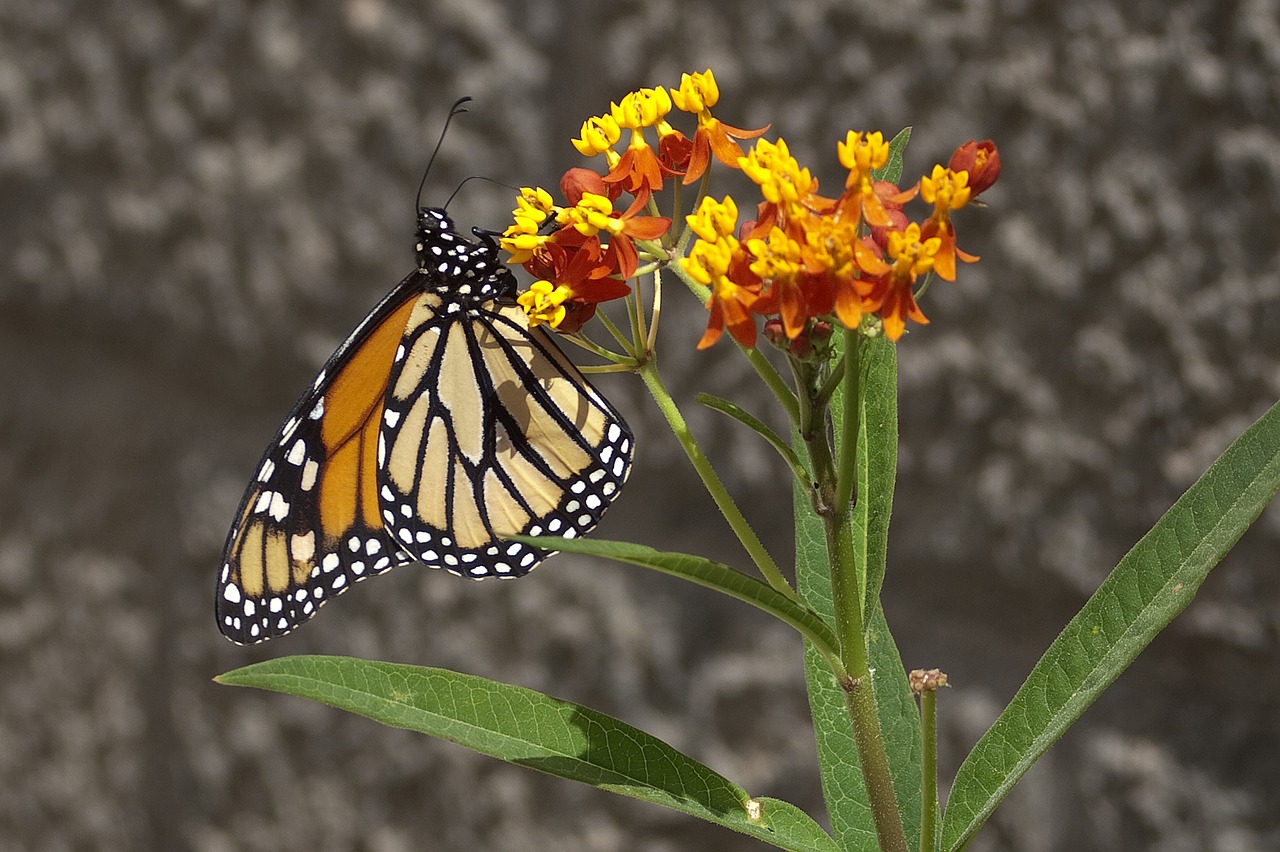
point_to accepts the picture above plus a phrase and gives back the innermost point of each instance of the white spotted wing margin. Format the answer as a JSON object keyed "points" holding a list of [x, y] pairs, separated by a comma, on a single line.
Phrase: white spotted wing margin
{"points": [[489, 431], [280, 564]]}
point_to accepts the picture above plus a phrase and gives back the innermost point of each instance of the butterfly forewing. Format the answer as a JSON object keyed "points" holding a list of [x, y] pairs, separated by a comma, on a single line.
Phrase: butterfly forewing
{"points": [[308, 525]]}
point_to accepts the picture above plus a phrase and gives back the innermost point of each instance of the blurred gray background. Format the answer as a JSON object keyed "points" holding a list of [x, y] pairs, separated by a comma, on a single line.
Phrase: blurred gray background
{"points": [[198, 199]]}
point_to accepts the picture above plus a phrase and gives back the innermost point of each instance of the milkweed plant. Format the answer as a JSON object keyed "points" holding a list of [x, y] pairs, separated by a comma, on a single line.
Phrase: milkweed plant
{"points": [[830, 282]]}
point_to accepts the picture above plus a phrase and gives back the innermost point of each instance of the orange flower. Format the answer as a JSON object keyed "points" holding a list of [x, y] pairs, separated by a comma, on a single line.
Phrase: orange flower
{"points": [[947, 190], [594, 213], [893, 291], [639, 170], [697, 94], [944, 262], [720, 265], [581, 270], [866, 198]]}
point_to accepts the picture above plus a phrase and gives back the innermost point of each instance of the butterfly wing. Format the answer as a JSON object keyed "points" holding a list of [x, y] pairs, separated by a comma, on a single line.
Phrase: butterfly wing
{"points": [[308, 525], [489, 430]]}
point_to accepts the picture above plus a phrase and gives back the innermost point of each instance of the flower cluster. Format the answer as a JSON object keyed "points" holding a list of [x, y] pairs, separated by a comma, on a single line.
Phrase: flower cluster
{"points": [[803, 262], [806, 258]]}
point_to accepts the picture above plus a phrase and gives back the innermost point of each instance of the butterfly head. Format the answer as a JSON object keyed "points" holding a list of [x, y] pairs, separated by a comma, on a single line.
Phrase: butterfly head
{"points": [[465, 270]]}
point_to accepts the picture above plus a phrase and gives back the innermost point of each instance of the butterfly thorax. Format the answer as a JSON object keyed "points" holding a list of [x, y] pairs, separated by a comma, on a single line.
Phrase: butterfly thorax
{"points": [[463, 273]]}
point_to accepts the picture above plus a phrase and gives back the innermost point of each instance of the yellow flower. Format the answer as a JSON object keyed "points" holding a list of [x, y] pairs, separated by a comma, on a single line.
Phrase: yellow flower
{"points": [[829, 245], [697, 92], [521, 238], [533, 200], [599, 134], [911, 257], [779, 175], [776, 259], [862, 154], [708, 261], [642, 108], [714, 219], [544, 303], [945, 190], [591, 215]]}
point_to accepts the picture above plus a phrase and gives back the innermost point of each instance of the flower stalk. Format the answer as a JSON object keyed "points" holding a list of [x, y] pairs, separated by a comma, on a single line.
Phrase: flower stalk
{"points": [[768, 568]]}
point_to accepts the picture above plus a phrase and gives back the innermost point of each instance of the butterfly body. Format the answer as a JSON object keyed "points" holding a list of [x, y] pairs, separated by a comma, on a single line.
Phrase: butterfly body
{"points": [[443, 424]]}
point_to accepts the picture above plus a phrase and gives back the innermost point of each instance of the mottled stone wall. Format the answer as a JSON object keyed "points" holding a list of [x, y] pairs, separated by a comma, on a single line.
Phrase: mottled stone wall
{"points": [[198, 199]]}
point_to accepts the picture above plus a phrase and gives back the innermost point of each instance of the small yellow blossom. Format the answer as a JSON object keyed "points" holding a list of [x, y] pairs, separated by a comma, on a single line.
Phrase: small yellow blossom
{"points": [[714, 219], [591, 215], [911, 257], [945, 190], [708, 261], [829, 245], [697, 93], [777, 258], [779, 175], [534, 200], [544, 303], [522, 238], [642, 108], [599, 134], [862, 153]]}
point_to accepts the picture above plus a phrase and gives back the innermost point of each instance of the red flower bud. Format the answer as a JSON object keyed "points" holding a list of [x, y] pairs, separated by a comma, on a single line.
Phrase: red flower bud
{"points": [[981, 160]]}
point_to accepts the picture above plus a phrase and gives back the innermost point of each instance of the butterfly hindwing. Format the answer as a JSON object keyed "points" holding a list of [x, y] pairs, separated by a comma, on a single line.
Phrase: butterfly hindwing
{"points": [[490, 431]]}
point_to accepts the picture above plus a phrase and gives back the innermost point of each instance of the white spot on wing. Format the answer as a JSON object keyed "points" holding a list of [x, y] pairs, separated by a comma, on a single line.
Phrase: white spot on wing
{"points": [[279, 507], [309, 473]]}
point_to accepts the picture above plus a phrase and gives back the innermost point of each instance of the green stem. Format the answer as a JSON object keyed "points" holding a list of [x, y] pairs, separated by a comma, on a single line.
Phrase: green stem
{"points": [[847, 582], [583, 342], [832, 382], [766, 371], [847, 472], [859, 690], [928, 769], [614, 330], [702, 465]]}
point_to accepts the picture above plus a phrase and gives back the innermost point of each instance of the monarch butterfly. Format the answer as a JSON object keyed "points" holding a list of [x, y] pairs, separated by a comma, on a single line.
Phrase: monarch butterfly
{"points": [[440, 425]]}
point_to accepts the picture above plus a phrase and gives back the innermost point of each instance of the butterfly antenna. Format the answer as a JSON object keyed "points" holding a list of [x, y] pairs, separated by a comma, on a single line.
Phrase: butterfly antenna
{"points": [[515, 189], [457, 109]]}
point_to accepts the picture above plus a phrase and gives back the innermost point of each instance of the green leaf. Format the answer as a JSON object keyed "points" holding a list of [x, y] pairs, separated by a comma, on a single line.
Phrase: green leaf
{"points": [[724, 406], [704, 572], [534, 730], [842, 784], [892, 170], [1153, 583]]}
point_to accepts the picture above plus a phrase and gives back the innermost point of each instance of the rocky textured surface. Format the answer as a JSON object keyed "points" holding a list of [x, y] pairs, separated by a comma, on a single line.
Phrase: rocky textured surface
{"points": [[199, 198]]}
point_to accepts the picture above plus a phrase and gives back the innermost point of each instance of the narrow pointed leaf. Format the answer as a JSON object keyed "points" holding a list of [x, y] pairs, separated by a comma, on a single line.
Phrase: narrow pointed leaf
{"points": [[877, 458], [1153, 583], [537, 731], [702, 571], [892, 170], [724, 406]]}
